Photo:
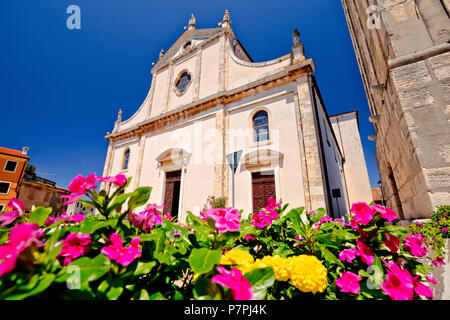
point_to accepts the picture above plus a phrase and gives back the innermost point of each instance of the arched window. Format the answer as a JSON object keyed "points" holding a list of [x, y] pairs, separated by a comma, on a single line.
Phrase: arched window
{"points": [[261, 126], [126, 159]]}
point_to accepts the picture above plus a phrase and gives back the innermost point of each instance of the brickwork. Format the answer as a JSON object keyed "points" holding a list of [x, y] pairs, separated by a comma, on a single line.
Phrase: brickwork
{"points": [[405, 66]]}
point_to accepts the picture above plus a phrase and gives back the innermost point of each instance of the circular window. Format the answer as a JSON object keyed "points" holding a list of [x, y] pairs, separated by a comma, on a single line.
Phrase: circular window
{"points": [[187, 45], [183, 82]]}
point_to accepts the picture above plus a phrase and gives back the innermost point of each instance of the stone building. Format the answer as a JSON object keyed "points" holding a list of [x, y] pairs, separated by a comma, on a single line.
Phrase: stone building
{"points": [[402, 48], [208, 99], [37, 191], [12, 168]]}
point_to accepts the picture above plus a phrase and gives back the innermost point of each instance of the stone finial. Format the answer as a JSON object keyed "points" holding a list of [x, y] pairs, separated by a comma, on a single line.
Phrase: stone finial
{"points": [[119, 115], [192, 25], [226, 22], [118, 121], [161, 53], [296, 37], [298, 51]]}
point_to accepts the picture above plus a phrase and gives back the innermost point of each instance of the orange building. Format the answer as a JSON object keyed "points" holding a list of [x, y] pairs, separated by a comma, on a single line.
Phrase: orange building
{"points": [[12, 168]]}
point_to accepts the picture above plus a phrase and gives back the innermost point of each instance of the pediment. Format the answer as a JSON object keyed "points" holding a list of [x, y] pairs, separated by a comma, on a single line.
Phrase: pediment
{"points": [[195, 36], [263, 158]]}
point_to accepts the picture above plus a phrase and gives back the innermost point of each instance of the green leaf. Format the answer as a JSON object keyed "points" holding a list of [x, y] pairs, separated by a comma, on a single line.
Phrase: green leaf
{"points": [[330, 257], [204, 289], [118, 201], [40, 215], [396, 231], [144, 268], [141, 295], [90, 226], [86, 269], [260, 279], [45, 281], [139, 197], [116, 290], [52, 247], [203, 260], [378, 272], [157, 296]]}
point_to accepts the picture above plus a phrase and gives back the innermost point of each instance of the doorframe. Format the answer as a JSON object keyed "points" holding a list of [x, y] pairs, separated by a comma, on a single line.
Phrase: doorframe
{"points": [[181, 196], [276, 174]]}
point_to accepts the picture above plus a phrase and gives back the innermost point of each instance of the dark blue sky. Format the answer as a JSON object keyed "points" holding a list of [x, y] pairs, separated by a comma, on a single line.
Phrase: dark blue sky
{"points": [[60, 89]]}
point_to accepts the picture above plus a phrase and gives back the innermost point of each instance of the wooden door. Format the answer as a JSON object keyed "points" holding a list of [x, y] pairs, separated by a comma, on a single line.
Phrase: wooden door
{"points": [[172, 192], [263, 186]]}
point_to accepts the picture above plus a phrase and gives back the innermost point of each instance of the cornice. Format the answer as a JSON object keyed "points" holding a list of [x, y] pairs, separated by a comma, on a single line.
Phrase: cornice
{"points": [[224, 97]]}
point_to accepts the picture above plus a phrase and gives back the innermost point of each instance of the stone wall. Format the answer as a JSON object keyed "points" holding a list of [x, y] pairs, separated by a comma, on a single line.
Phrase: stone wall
{"points": [[405, 63]]}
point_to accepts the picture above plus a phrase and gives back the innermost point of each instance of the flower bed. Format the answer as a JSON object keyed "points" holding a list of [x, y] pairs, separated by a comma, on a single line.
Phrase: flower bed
{"points": [[274, 254]]}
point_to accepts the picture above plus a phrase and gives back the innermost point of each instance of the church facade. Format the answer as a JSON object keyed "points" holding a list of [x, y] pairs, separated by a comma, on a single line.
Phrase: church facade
{"points": [[207, 100]]}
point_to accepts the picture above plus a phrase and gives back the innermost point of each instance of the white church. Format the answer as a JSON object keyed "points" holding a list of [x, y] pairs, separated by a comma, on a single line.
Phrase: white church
{"points": [[207, 100]]}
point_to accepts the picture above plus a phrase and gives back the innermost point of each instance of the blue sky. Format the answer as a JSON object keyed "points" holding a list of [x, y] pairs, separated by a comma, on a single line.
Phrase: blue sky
{"points": [[60, 89]]}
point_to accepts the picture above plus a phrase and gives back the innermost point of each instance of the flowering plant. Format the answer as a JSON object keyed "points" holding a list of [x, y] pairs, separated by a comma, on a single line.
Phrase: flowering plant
{"points": [[434, 232], [130, 249]]}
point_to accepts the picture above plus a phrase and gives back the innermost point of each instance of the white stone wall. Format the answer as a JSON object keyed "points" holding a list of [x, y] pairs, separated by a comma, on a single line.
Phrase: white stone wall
{"points": [[345, 127], [283, 138]]}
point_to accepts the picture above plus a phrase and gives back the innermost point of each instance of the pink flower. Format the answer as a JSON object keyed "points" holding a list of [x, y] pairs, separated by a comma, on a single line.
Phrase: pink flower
{"points": [[341, 221], [421, 289], [444, 229], [226, 219], [444, 215], [414, 245], [8, 258], [354, 224], [79, 185], [18, 209], [348, 255], [233, 279], [385, 213], [438, 261], [250, 237], [420, 224], [72, 218], [325, 219], [365, 253], [348, 282], [75, 245], [72, 198], [119, 179], [265, 216], [363, 213], [391, 242], [148, 219], [21, 237], [261, 220], [116, 251], [399, 283], [431, 280]]}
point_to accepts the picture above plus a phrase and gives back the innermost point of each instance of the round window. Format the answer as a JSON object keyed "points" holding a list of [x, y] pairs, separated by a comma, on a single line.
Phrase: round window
{"points": [[187, 45], [183, 82]]}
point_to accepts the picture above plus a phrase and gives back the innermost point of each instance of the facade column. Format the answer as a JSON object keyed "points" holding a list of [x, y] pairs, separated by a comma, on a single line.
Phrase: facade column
{"points": [[137, 175], [108, 163], [309, 147], [221, 177]]}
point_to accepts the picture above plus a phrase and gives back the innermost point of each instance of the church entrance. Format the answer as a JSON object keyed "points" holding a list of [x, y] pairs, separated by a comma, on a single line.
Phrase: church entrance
{"points": [[172, 192], [263, 186]]}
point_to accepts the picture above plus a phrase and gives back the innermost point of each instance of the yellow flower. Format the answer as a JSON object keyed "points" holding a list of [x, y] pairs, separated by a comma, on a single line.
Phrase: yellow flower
{"points": [[308, 274], [237, 257]]}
